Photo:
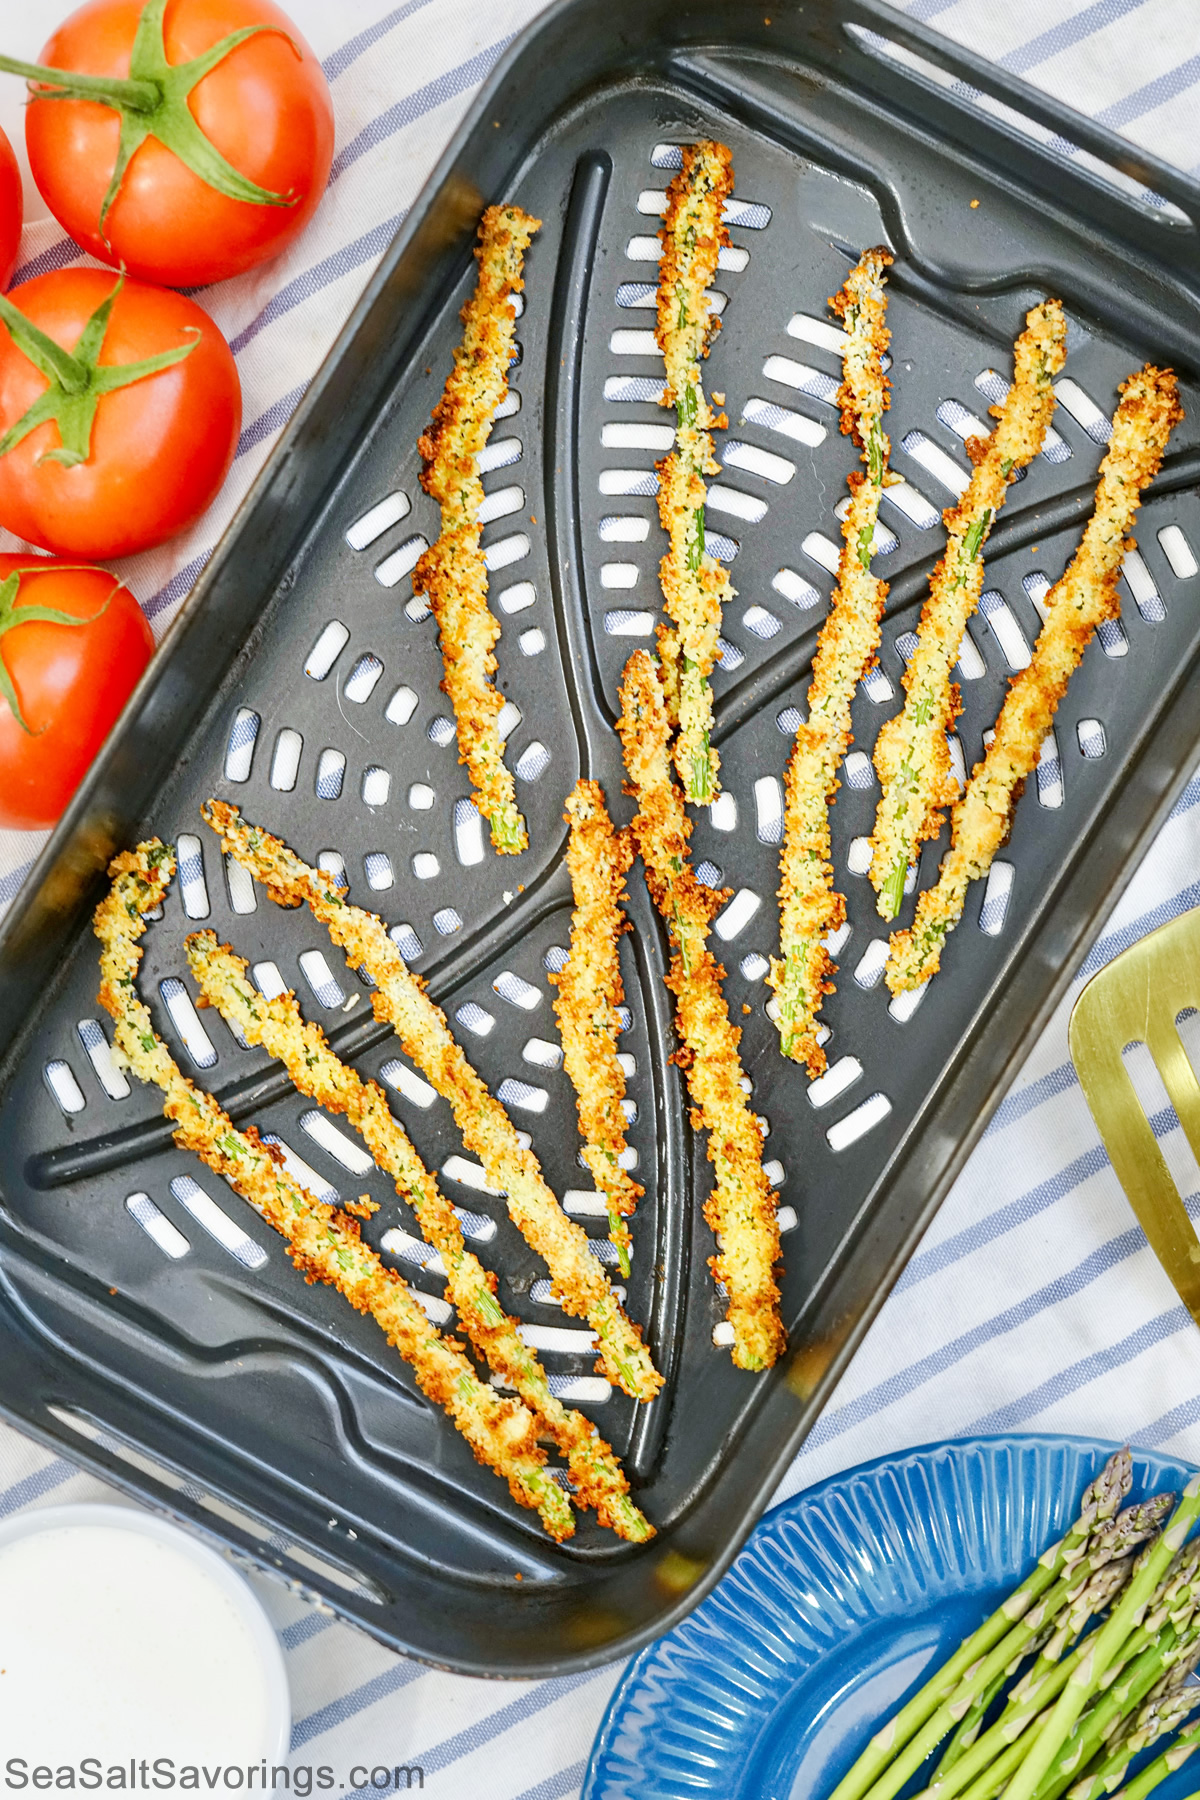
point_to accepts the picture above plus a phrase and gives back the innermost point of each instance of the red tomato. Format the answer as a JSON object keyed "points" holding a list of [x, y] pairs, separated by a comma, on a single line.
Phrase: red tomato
{"points": [[265, 107], [70, 681], [159, 448], [11, 211]]}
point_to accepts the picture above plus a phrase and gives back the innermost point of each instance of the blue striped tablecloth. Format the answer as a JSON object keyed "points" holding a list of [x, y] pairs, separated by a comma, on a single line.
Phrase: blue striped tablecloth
{"points": [[1033, 1301]]}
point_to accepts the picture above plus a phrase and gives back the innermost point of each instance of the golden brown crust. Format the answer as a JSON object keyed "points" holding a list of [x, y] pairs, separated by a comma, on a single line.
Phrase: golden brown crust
{"points": [[741, 1208], [695, 585], [324, 1243], [452, 574], [1087, 594], [589, 992], [810, 908], [912, 758], [303, 1049], [400, 998]]}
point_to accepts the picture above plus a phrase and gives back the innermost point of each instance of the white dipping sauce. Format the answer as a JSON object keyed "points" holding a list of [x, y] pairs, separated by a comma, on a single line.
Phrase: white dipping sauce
{"points": [[116, 1645]]}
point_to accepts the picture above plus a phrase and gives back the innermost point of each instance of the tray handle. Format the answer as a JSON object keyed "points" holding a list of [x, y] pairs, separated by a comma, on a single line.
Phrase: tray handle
{"points": [[871, 33]]}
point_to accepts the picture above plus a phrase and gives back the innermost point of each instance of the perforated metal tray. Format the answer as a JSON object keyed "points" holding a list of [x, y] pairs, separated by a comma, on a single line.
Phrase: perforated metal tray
{"points": [[148, 1323]]}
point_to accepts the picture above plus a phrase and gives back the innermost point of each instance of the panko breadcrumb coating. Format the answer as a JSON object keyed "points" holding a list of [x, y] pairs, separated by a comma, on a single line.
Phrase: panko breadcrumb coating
{"points": [[695, 585], [452, 574], [1086, 594], [741, 1208], [324, 1243], [304, 1051], [912, 757], [810, 908], [589, 993], [400, 1000]]}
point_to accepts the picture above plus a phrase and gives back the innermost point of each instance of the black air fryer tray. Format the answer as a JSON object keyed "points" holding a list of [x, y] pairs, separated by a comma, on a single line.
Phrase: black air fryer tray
{"points": [[301, 681]]}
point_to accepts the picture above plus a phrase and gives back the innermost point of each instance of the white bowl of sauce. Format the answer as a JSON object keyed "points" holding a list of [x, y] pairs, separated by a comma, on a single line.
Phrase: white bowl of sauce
{"points": [[123, 1638]]}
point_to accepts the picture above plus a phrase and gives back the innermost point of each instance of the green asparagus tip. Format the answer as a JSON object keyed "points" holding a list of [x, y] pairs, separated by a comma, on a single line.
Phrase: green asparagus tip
{"points": [[700, 782], [620, 1238], [891, 894], [638, 1529], [508, 831]]}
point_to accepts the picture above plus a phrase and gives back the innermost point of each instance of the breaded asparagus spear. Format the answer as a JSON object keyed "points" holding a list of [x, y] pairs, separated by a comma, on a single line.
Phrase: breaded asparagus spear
{"points": [[399, 999], [452, 574], [810, 908], [303, 1049], [912, 758], [741, 1208], [695, 585], [1086, 594], [323, 1242], [589, 993]]}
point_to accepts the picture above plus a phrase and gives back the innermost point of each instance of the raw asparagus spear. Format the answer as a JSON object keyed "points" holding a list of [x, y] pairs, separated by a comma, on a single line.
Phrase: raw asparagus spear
{"points": [[1100, 1501], [1116, 1537], [1063, 1594], [1000, 1753], [1185, 1745], [1103, 1719], [1164, 1711], [1095, 1594], [1165, 1640], [972, 1722], [1173, 1600], [1104, 1646]]}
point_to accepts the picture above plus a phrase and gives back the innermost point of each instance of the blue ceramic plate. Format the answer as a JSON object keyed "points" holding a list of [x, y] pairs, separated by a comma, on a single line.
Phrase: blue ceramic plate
{"points": [[843, 1601]]}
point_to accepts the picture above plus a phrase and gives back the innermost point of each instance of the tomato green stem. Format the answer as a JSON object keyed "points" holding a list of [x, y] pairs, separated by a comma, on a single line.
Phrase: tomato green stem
{"points": [[78, 381], [12, 615], [153, 102], [139, 96]]}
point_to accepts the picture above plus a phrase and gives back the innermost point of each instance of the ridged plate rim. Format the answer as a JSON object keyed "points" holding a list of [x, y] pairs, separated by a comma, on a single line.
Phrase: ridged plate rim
{"points": [[912, 1518]]}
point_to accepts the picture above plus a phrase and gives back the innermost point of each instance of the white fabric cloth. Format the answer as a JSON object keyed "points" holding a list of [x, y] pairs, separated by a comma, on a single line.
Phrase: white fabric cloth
{"points": [[1033, 1301]]}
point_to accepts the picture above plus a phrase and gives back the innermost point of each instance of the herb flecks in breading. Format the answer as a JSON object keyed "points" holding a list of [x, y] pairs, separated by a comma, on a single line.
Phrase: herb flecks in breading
{"points": [[741, 1208], [695, 585], [912, 757], [304, 1051], [589, 993], [453, 575], [1084, 597], [810, 908], [324, 1242], [399, 999]]}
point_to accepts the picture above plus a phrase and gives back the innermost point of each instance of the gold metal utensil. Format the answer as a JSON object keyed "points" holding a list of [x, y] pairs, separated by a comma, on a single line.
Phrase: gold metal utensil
{"points": [[1137, 999]]}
